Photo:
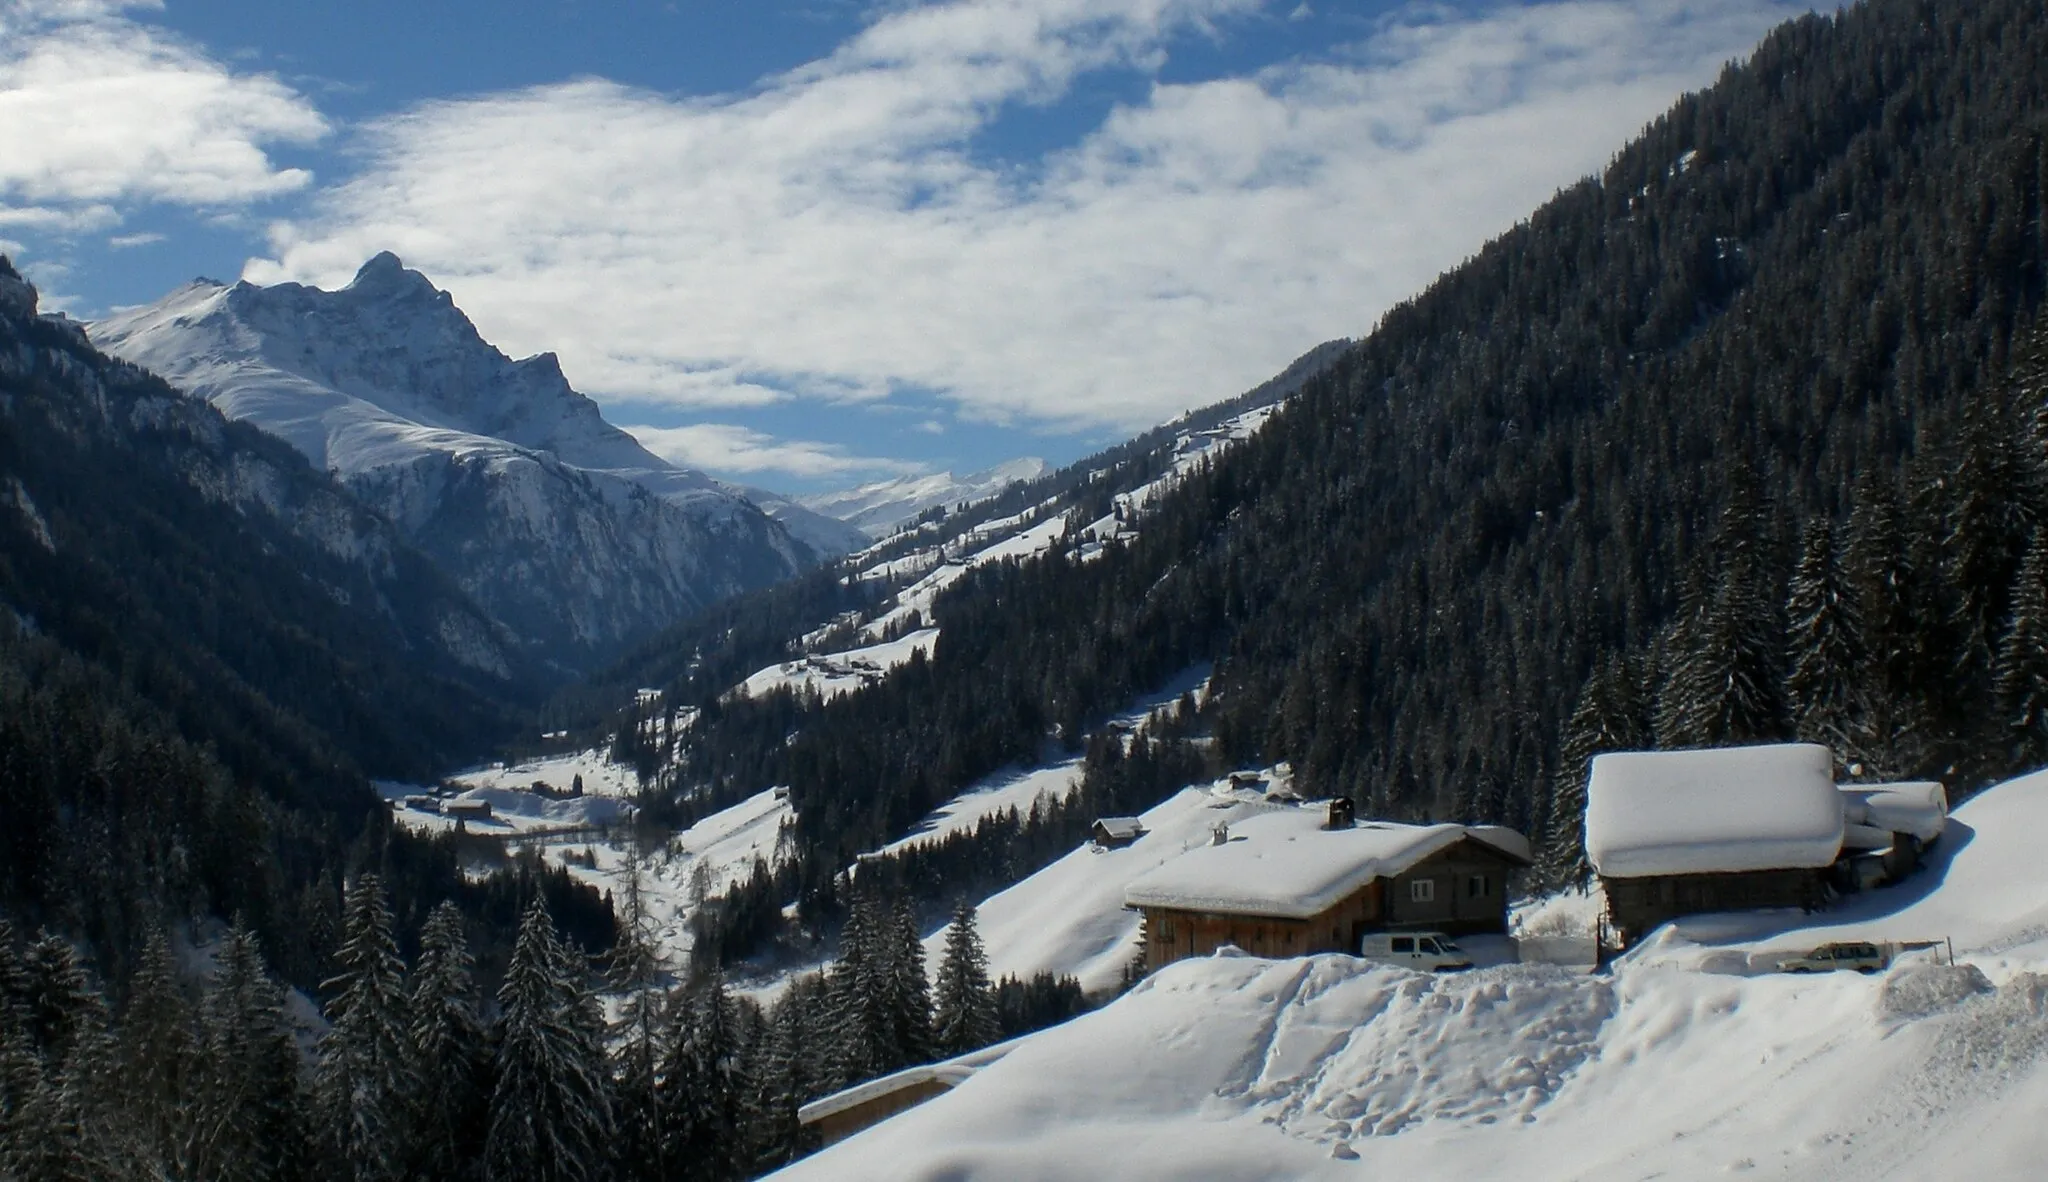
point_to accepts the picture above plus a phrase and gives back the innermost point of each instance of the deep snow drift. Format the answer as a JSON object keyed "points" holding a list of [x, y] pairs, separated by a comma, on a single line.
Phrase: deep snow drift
{"points": [[1684, 1062]]}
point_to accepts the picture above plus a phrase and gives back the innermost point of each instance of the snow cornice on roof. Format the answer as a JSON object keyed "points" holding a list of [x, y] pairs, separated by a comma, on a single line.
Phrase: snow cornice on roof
{"points": [[1285, 864], [1713, 811]]}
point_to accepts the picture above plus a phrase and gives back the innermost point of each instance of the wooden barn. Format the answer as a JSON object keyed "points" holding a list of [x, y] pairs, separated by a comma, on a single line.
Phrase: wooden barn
{"points": [[1673, 833], [1114, 833], [1289, 883]]}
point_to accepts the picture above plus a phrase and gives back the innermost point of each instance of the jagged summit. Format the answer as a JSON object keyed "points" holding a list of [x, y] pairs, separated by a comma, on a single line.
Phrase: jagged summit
{"points": [[18, 296], [569, 529]]}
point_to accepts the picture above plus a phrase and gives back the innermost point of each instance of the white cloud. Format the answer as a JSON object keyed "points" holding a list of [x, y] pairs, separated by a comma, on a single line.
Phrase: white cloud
{"points": [[98, 111], [832, 234], [724, 449], [128, 241]]}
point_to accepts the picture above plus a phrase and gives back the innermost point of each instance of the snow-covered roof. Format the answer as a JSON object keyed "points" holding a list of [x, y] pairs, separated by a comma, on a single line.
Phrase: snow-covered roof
{"points": [[1716, 810], [1284, 863], [1120, 827], [951, 1072], [1919, 808]]}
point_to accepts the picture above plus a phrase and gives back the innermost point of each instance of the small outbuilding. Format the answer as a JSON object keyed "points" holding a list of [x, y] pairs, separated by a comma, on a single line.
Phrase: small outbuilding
{"points": [[848, 1111], [1114, 833], [1295, 881], [1887, 827], [467, 809], [1674, 833]]}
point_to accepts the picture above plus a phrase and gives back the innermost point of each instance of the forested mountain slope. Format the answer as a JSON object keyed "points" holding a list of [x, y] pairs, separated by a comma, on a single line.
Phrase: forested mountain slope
{"points": [[1793, 301], [205, 648]]}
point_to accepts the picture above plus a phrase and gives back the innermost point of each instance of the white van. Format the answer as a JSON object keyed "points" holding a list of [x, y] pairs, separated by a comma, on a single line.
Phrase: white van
{"points": [[1429, 952]]}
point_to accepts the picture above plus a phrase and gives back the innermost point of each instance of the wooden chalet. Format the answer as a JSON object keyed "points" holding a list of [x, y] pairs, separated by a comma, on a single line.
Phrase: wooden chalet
{"points": [[1673, 833], [1296, 881], [1114, 833]]}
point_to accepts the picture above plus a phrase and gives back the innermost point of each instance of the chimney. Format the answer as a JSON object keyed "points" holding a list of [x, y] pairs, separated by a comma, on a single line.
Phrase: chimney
{"points": [[1343, 813], [1220, 835]]}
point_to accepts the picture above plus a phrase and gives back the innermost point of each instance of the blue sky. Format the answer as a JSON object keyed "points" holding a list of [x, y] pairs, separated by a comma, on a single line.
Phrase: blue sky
{"points": [[808, 243]]}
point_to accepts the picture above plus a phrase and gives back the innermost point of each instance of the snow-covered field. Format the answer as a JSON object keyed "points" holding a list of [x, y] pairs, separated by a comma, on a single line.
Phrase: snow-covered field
{"points": [[832, 674], [1685, 1061]]}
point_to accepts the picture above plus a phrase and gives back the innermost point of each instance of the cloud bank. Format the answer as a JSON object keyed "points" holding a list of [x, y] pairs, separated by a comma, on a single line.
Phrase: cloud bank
{"points": [[835, 234], [99, 112], [742, 451]]}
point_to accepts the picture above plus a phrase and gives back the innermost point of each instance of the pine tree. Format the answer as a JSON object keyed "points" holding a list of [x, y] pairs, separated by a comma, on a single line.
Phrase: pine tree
{"points": [[2022, 668], [1829, 664], [704, 1086], [159, 1061], [251, 1108], [634, 974], [451, 1061], [365, 1080], [862, 1031], [1886, 586], [966, 1004], [1607, 717], [1723, 683], [549, 1116], [909, 996], [74, 1119]]}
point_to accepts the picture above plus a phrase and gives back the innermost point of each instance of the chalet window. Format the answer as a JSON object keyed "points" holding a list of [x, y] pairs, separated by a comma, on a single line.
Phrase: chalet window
{"points": [[1166, 929], [1422, 890], [1476, 887]]}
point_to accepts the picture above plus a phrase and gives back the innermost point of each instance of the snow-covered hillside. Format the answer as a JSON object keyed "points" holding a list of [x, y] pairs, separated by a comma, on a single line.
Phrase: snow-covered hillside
{"points": [[883, 507], [1688, 1060], [559, 523]]}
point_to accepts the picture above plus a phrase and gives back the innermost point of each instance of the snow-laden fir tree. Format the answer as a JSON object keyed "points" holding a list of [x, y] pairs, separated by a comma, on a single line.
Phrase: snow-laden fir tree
{"points": [[1608, 716], [910, 997], [965, 1018], [862, 1031], [550, 1120], [702, 1084], [1879, 570], [1722, 681], [364, 1082], [1992, 497], [1829, 666], [634, 971], [2022, 669], [159, 1061], [251, 1110], [451, 1060], [75, 1127]]}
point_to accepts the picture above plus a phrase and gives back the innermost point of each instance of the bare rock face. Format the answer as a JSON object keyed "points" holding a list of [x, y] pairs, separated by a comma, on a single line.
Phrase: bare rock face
{"points": [[561, 525]]}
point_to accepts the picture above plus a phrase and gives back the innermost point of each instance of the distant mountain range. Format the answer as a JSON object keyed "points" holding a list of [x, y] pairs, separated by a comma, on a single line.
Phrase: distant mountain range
{"points": [[561, 525], [885, 506]]}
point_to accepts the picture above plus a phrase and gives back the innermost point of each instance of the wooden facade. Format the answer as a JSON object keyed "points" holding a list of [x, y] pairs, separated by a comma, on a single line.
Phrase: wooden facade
{"points": [[839, 1124], [1636, 905], [1460, 889]]}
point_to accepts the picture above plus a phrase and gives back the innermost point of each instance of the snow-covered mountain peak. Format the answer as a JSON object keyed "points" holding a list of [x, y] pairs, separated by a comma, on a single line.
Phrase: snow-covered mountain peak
{"points": [[490, 463], [885, 506]]}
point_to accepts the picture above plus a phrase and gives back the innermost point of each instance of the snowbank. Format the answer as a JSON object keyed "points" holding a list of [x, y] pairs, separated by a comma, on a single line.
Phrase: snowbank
{"points": [[1716, 810], [1919, 808]]}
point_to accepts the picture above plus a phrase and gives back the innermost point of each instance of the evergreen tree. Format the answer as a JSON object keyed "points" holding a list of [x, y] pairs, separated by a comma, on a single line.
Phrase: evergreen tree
{"points": [[251, 1107], [634, 974], [1722, 684], [966, 1004], [1829, 664], [862, 1029], [1886, 587], [159, 1061], [704, 1086], [909, 996], [549, 1118], [365, 1080], [450, 1058], [1607, 717], [2022, 669]]}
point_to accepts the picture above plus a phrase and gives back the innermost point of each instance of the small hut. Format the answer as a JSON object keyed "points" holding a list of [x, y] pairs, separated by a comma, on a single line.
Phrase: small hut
{"points": [[1114, 833]]}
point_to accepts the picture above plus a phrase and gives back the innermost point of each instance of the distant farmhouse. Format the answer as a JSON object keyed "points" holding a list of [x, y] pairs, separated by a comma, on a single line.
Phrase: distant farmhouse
{"points": [[1674, 833], [1296, 881]]}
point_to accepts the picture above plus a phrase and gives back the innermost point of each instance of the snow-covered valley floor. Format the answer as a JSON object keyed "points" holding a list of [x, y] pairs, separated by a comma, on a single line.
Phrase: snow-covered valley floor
{"points": [[1684, 1061]]}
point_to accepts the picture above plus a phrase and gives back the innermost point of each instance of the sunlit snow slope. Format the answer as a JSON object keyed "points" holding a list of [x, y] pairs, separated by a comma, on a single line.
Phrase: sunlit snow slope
{"points": [[1682, 1063]]}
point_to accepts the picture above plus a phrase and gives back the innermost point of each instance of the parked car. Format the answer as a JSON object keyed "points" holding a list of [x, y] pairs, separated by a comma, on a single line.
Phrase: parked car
{"points": [[1864, 958], [1425, 951]]}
